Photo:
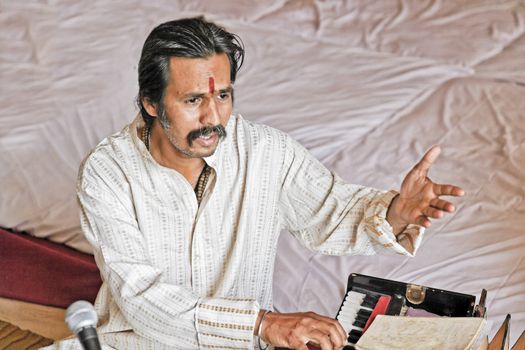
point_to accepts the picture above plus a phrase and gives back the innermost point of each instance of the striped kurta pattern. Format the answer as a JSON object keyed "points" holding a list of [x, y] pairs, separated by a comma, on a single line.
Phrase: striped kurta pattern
{"points": [[182, 276]]}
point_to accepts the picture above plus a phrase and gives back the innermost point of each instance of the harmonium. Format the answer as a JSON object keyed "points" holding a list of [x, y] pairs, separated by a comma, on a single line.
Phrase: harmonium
{"points": [[378, 314]]}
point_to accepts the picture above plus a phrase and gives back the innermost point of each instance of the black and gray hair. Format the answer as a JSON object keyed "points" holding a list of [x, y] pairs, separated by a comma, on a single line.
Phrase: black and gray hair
{"points": [[190, 37]]}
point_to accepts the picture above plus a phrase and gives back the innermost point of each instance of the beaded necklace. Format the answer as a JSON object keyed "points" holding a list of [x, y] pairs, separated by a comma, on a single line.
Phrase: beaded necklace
{"points": [[201, 183], [146, 132], [203, 177]]}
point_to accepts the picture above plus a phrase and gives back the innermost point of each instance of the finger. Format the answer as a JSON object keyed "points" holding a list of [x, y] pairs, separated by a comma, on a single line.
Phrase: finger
{"points": [[320, 338], [337, 332], [423, 221], [442, 204], [433, 213], [341, 332], [298, 345], [448, 190], [336, 339], [428, 159]]}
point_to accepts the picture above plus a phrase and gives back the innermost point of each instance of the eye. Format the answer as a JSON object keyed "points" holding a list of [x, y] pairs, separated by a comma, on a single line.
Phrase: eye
{"points": [[193, 101], [224, 96]]}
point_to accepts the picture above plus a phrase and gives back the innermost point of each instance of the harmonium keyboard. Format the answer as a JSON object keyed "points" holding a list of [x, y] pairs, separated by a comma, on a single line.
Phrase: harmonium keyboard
{"points": [[367, 296]]}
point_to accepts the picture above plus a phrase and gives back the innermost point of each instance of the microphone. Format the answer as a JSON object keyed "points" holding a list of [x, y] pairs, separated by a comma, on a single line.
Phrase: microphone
{"points": [[81, 318]]}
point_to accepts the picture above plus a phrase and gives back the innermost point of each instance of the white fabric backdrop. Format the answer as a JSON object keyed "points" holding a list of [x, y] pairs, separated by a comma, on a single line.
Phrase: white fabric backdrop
{"points": [[367, 86]]}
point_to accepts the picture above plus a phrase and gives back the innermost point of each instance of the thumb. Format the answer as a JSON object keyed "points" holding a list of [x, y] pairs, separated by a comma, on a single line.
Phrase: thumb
{"points": [[428, 159]]}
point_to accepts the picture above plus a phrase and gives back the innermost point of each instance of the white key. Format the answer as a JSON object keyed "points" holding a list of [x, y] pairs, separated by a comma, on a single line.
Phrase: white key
{"points": [[349, 310]]}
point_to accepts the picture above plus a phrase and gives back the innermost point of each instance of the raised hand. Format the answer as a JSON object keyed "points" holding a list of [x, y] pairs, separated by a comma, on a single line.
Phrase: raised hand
{"points": [[418, 200], [294, 330]]}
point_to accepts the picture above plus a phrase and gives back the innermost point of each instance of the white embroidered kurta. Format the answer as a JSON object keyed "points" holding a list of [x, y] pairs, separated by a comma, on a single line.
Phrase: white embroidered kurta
{"points": [[181, 276]]}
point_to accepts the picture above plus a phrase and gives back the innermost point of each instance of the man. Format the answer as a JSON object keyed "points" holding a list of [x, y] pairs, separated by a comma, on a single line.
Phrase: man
{"points": [[184, 207]]}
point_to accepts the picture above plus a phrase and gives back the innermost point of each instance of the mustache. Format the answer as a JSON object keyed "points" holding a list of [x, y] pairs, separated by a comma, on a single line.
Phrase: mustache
{"points": [[206, 131]]}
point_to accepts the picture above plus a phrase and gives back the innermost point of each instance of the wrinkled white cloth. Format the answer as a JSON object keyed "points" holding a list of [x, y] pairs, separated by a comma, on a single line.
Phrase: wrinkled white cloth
{"points": [[179, 275]]}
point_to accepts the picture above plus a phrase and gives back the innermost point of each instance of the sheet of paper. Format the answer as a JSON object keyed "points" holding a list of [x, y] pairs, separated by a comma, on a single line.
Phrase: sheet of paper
{"points": [[424, 333]]}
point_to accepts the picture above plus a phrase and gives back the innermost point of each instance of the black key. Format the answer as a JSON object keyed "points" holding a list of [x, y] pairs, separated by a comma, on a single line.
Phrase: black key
{"points": [[370, 301], [359, 323], [348, 347], [364, 313], [353, 340], [356, 332], [361, 318], [354, 336]]}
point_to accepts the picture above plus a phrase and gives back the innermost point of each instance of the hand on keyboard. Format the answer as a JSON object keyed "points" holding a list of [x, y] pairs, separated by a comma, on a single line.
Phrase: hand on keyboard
{"points": [[295, 330]]}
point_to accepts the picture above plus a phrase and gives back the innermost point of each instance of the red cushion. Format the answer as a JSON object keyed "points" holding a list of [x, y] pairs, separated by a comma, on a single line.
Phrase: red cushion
{"points": [[39, 271]]}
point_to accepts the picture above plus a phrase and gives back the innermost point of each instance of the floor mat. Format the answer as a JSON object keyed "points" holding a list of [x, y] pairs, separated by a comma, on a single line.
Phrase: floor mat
{"points": [[14, 338]]}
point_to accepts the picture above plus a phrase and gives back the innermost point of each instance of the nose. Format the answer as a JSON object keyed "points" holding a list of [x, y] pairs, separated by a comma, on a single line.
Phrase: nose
{"points": [[210, 114]]}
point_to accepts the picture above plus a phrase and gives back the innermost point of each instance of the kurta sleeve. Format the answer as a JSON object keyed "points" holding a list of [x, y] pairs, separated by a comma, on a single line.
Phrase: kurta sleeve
{"points": [[155, 309], [332, 217]]}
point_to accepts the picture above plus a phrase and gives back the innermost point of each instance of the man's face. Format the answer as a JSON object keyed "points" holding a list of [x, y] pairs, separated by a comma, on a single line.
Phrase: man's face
{"points": [[197, 104]]}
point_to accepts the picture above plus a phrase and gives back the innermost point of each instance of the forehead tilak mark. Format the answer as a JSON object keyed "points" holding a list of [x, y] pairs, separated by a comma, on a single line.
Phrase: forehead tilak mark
{"points": [[211, 84]]}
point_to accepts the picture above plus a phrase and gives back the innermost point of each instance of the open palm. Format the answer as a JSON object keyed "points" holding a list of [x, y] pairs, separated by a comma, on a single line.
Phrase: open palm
{"points": [[418, 199]]}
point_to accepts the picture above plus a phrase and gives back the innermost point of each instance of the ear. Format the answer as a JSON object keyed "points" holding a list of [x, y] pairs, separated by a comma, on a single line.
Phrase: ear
{"points": [[150, 107]]}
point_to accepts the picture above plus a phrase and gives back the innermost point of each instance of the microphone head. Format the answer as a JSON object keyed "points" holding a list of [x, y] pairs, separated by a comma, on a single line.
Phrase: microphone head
{"points": [[79, 315]]}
